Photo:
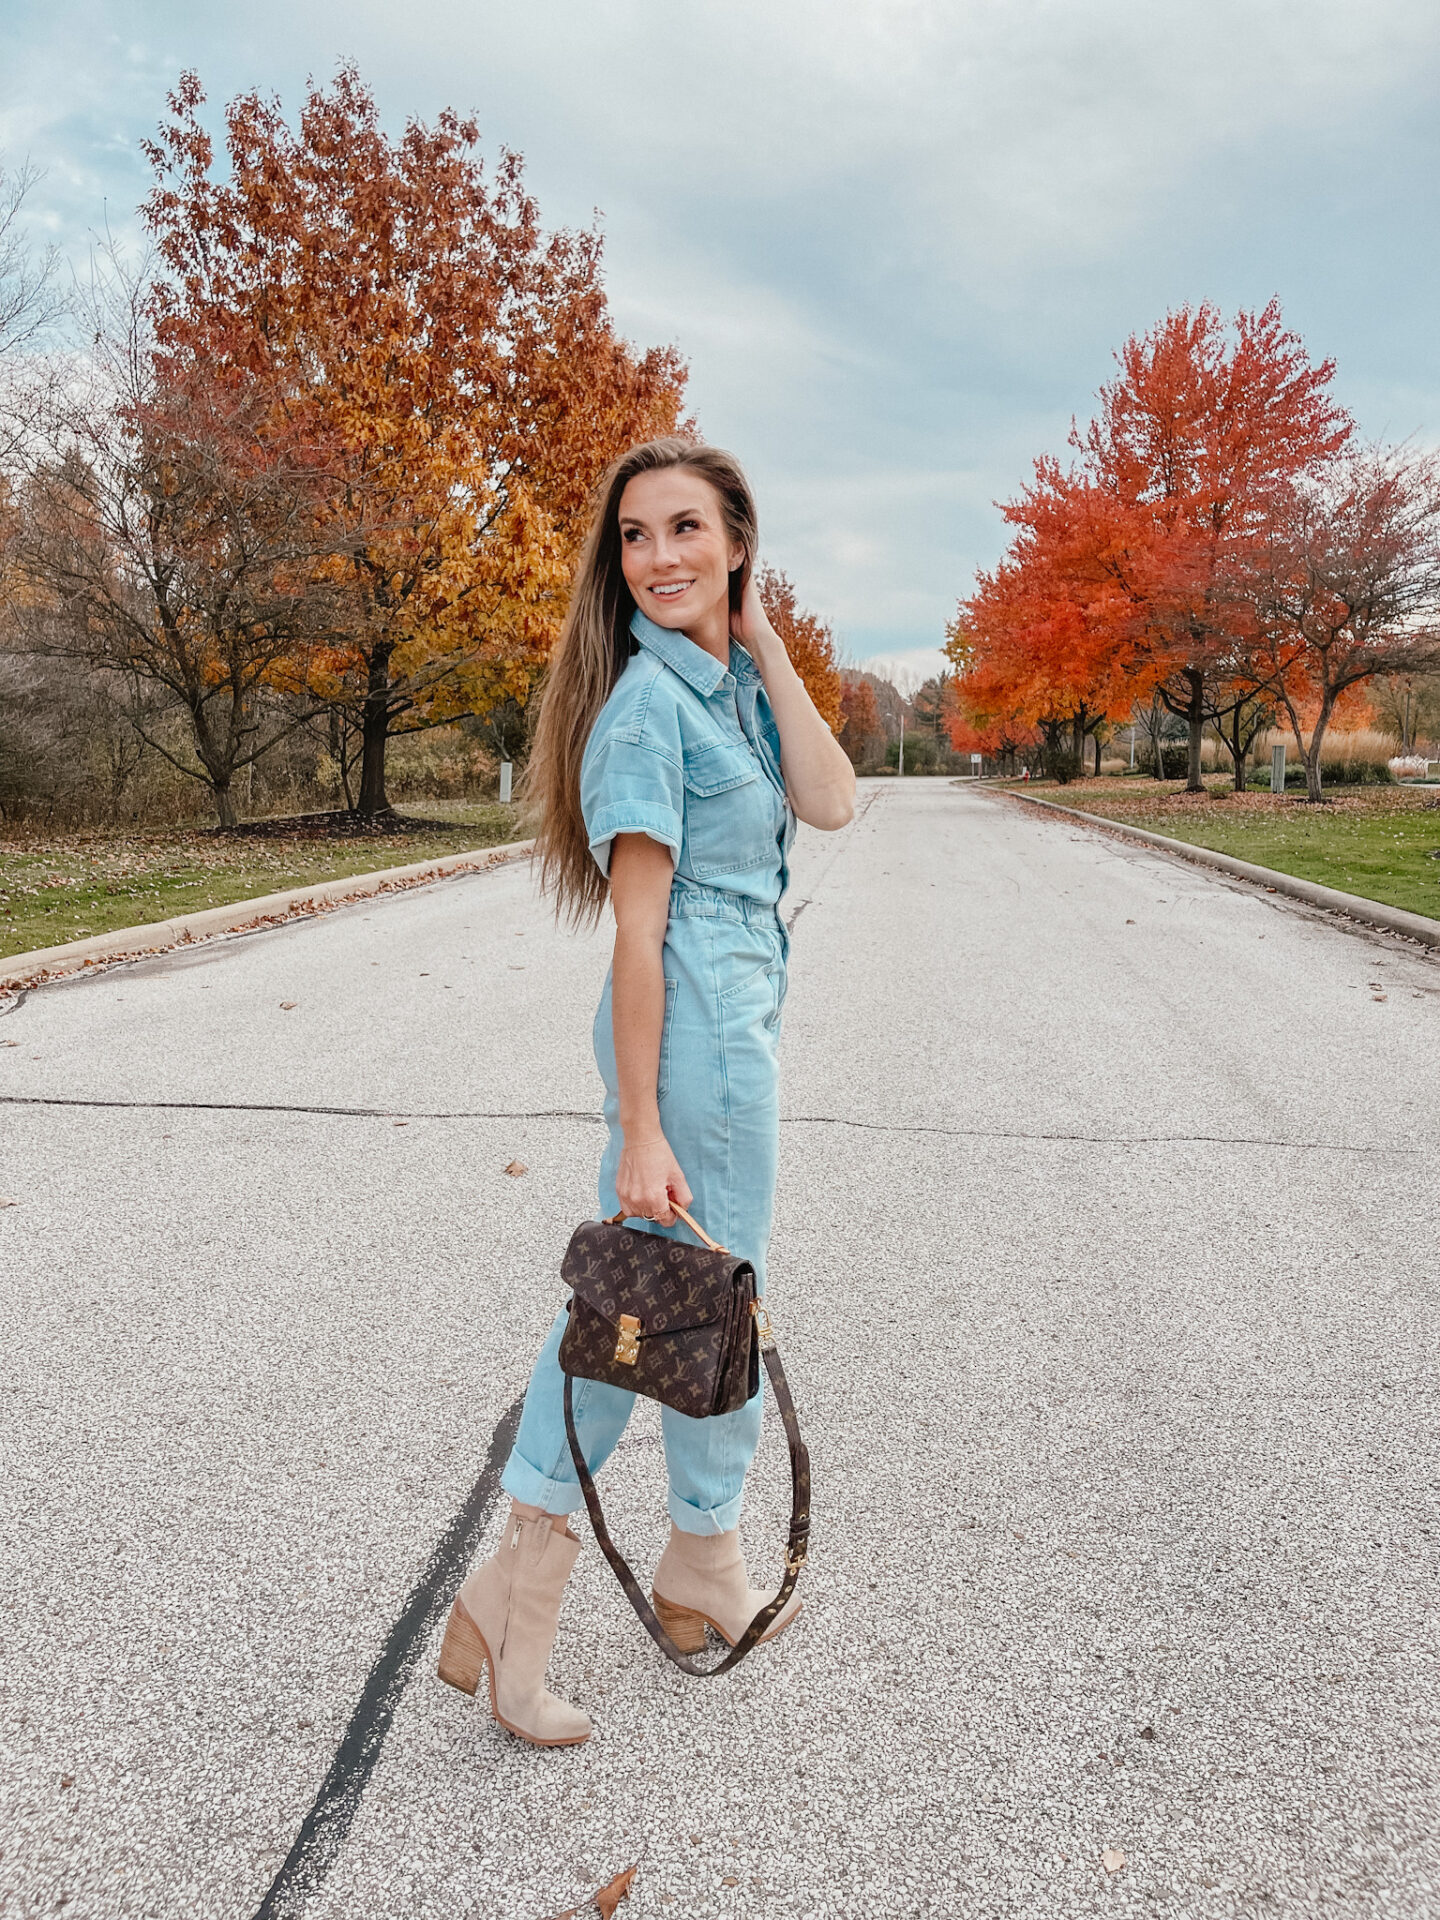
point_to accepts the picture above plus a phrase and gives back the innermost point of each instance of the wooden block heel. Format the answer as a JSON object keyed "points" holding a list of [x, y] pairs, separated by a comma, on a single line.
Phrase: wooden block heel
{"points": [[684, 1626], [462, 1652]]}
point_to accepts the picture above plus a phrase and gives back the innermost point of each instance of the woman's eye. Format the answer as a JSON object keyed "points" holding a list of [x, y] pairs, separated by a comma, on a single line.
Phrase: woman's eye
{"points": [[630, 535], [684, 526]]}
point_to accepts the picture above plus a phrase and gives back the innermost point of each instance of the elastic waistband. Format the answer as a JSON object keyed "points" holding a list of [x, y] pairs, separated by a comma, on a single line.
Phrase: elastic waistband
{"points": [[698, 902]]}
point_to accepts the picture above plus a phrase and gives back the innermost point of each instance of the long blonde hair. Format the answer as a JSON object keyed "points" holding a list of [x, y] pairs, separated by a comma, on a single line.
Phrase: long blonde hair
{"points": [[591, 654]]}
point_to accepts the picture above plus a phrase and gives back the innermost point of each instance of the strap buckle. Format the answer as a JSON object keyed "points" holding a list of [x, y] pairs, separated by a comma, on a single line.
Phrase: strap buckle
{"points": [[794, 1561], [763, 1325]]}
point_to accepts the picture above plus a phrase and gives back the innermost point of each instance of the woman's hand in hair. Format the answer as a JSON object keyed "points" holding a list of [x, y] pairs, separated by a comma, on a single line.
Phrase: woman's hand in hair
{"points": [[818, 775]]}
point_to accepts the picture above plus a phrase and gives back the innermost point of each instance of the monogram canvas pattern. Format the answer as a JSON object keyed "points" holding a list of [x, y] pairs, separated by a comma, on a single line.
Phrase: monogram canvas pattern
{"points": [[698, 1344]]}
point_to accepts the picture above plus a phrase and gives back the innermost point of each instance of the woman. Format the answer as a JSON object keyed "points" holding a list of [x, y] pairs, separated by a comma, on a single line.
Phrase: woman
{"points": [[675, 749]]}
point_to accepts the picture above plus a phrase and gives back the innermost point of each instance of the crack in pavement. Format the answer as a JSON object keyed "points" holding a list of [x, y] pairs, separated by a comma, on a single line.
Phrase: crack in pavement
{"points": [[591, 1118], [324, 1828], [1093, 1139], [269, 1106]]}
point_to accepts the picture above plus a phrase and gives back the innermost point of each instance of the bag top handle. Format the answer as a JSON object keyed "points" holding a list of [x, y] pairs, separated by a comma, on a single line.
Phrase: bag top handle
{"points": [[693, 1224]]}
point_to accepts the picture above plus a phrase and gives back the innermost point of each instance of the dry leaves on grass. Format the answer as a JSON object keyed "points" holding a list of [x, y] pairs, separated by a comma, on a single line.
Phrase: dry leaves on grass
{"points": [[605, 1899]]}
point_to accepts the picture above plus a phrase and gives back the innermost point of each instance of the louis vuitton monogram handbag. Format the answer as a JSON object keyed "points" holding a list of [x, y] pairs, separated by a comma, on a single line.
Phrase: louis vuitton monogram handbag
{"points": [[682, 1325]]}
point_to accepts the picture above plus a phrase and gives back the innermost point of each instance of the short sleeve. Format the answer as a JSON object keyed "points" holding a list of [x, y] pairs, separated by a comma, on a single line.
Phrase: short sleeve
{"points": [[629, 787]]}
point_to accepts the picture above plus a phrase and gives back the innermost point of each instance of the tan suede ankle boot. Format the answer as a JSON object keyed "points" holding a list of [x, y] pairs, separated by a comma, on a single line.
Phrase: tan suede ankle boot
{"points": [[701, 1581], [505, 1618]]}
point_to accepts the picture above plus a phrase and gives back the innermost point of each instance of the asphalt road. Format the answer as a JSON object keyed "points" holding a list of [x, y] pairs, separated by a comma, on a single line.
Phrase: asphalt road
{"points": [[1106, 1274]]}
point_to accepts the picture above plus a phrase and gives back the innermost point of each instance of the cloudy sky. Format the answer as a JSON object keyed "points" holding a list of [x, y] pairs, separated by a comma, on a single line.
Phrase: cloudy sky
{"points": [[898, 241]]}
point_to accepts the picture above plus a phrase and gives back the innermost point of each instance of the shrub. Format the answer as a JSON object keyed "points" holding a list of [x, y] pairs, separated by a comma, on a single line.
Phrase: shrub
{"points": [[1333, 773], [1174, 761], [1350, 773], [921, 753]]}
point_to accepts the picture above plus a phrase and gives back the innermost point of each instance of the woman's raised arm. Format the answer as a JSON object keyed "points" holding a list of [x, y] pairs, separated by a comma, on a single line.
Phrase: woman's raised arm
{"points": [[818, 775]]}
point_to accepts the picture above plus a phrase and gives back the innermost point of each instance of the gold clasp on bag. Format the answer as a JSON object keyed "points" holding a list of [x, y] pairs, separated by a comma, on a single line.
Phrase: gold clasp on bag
{"points": [[627, 1347], [762, 1324]]}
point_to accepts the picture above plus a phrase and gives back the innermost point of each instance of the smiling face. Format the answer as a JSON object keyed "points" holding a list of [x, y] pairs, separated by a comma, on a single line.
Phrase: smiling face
{"points": [[674, 549]]}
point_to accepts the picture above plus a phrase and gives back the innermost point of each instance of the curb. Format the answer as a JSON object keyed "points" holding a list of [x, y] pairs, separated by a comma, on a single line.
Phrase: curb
{"points": [[22, 970], [1373, 913]]}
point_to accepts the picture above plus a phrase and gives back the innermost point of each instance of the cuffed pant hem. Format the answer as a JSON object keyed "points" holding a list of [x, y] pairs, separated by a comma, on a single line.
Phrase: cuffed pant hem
{"points": [[721, 1519], [534, 1489]]}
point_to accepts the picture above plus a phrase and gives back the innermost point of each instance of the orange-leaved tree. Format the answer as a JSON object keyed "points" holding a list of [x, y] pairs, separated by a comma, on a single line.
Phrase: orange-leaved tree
{"points": [[862, 731], [1046, 645], [1199, 436], [1128, 573], [446, 374], [808, 641]]}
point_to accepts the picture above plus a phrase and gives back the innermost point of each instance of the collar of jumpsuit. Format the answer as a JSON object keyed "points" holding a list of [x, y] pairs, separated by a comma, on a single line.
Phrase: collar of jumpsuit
{"points": [[737, 828], [696, 667]]}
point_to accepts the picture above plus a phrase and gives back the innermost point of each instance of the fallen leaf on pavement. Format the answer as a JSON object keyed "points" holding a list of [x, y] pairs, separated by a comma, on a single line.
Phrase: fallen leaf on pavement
{"points": [[288, 1006], [1112, 1859], [9, 1203], [516, 1168], [607, 1898]]}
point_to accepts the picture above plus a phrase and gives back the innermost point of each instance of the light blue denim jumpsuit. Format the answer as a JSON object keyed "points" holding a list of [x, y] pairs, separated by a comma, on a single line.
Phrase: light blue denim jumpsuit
{"points": [[689, 754]]}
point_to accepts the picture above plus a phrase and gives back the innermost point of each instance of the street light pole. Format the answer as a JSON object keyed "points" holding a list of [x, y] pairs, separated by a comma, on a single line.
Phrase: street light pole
{"points": [[902, 741]]}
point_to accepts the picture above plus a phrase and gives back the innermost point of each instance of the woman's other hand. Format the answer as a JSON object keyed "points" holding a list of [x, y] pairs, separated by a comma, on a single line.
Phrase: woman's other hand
{"points": [[648, 1179], [751, 624], [818, 775]]}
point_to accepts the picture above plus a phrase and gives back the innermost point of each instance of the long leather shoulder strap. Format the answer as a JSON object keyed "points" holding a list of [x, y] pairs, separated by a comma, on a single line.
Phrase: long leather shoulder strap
{"points": [[795, 1552]]}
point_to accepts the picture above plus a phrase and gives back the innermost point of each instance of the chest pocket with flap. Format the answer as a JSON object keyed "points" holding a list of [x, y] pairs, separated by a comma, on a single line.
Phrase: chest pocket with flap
{"points": [[730, 810]]}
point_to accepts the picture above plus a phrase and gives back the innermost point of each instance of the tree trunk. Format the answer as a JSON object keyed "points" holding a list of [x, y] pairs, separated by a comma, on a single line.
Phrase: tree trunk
{"points": [[217, 760], [1195, 723], [374, 737], [1156, 730], [1312, 757], [1097, 756], [224, 803], [1239, 747]]}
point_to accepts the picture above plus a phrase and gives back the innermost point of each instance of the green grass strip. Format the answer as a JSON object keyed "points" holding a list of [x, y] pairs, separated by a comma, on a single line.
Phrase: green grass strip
{"points": [[1380, 843], [55, 888]]}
